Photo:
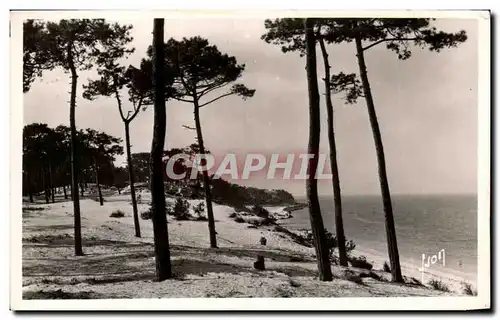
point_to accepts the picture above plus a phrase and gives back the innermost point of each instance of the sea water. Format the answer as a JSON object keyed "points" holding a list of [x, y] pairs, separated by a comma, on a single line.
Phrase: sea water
{"points": [[425, 225]]}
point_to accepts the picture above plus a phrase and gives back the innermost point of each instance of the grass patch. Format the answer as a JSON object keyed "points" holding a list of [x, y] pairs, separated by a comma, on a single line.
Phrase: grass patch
{"points": [[117, 214], [239, 219], [468, 290], [355, 278], [370, 274], [284, 292], [28, 209], [47, 238], [360, 262], [59, 294], [439, 285]]}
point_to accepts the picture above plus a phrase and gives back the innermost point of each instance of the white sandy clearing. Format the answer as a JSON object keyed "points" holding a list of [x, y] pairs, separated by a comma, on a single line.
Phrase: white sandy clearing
{"points": [[116, 264]]}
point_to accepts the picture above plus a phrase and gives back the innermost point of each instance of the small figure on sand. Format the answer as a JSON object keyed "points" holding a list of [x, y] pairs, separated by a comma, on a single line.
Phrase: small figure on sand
{"points": [[263, 240]]}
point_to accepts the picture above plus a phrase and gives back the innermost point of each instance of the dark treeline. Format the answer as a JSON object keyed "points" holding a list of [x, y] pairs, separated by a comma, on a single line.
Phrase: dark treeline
{"points": [[46, 161]]}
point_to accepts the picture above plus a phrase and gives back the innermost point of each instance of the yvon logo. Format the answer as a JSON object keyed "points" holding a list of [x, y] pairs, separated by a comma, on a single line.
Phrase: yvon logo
{"points": [[432, 260]]}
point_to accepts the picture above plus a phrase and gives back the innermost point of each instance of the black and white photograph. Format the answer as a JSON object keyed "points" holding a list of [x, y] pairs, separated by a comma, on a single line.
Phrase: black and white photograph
{"points": [[161, 156]]}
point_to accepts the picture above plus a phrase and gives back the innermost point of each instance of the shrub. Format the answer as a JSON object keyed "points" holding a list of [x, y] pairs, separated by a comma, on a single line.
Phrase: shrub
{"points": [[332, 243], [199, 211], [148, 214], [262, 222], [360, 262], [355, 278], [386, 267], [181, 209], [233, 215], [439, 285], [169, 209], [239, 219], [370, 274], [260, 211], [117, 214], [467, 289]]}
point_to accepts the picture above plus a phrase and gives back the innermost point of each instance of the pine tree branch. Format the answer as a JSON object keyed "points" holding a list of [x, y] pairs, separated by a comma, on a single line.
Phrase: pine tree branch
{"points": [[136, 110], [183, 100], [213, 100], [117, 95], [211, 88], [388, 40]]}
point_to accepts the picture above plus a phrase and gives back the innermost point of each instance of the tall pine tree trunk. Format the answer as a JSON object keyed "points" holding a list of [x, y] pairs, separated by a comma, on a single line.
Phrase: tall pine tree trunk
{"points": [[206, 179], [384, 184], [51, 185], [82, 188], [131, 180], [96, 168], [318, 229], [64, 190], [45, 187], [74, 164], [160, 228], [337, 197], [28, 186]]}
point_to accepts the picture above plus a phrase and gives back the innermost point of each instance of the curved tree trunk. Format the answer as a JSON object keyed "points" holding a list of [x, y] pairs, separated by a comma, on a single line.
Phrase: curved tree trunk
{"points": [[206, 179], [318, 229], [160, 229], [96, 169], [384, 184], [337, 197], [131, 180], [74, 164]]}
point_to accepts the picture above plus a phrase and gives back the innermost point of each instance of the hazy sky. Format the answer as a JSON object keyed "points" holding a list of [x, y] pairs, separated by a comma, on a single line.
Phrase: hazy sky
{"points": [[427, 109]]}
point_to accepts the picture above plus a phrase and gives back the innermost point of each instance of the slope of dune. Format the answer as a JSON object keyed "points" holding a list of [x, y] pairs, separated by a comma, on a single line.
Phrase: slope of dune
{"points": [[118, 265]]}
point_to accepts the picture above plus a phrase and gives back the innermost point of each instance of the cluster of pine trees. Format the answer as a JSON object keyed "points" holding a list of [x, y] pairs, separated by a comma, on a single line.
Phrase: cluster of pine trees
{"points": [[303, 35], [46, 161], [193, 71]]}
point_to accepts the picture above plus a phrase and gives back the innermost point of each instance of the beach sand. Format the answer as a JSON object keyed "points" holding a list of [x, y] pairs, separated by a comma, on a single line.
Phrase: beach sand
{"points": [[116, 264]]}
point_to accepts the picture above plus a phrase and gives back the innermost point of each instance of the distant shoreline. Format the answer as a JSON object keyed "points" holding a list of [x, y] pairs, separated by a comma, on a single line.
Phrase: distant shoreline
{"points": [[295, 207]]}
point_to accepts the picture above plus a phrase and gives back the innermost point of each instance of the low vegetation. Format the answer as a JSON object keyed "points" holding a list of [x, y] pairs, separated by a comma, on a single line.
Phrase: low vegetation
{"points": [[181, 209], [117, 214], [148, 214], [360, 262], [439, 285], [27, 209], [468, 290], [386, 267]]}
